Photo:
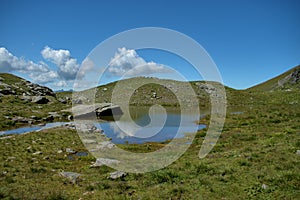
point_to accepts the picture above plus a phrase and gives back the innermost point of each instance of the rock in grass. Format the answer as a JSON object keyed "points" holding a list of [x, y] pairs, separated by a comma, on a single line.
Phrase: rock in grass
{"points": [[117, 174], [39, 100], [298, 152], [104, 161], [71, 176], [37, 153], [264, 186], [69, 150]]}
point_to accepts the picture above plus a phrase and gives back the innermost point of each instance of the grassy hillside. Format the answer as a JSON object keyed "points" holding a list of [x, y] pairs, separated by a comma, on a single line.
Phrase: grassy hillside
{"points": [[255, 158], [289, 80], [18, 107]]}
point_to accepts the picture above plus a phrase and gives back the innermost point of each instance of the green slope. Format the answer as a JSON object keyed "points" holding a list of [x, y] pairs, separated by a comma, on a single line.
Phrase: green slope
{"points": [[289, 80]]}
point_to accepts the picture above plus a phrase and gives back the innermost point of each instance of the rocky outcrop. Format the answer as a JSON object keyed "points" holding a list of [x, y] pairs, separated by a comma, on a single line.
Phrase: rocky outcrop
{"points": [[13, 85]]}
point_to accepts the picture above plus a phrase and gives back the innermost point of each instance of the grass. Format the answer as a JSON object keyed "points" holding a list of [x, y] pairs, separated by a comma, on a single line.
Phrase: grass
{"points": [[257, 146], [254, 158], [12, 106]]}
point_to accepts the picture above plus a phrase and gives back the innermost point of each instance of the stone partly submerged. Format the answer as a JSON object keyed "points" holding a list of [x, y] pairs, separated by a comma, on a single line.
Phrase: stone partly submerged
{"points": [[96, 110]]}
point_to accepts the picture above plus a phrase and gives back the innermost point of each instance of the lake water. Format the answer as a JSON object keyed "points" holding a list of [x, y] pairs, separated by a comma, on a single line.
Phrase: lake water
{"points": [[158, 126]]}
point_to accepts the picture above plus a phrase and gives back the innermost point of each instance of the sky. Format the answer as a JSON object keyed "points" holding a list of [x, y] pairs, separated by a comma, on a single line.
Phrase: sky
{"points": [[48, 42]]}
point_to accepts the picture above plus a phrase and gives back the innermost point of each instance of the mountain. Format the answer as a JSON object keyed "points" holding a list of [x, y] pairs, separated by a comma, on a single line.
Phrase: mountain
{"points": [[287, 81], [14, 85]]}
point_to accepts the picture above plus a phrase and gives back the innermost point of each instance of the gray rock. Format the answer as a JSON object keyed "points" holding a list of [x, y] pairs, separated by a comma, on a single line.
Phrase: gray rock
{"points": [[1, 79], [105, 145], [77, 101], [54, 114], [298, 152], [37, 153], [21, 119], [26, 98], [69, 150], [49, 118], [64, 101], [7, 91], [264, 186], [70, 117], [117, 174], [40, 100], [71, 176], [104, 161], [33, 117]]}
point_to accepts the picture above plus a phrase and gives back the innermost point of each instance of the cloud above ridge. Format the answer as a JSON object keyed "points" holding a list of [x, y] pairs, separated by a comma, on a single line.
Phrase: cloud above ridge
{"points": [[127, 62]]}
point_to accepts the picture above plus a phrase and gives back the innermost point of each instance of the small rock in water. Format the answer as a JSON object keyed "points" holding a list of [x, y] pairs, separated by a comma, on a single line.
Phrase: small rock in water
{"points": [[71, 176], [117, 174]]}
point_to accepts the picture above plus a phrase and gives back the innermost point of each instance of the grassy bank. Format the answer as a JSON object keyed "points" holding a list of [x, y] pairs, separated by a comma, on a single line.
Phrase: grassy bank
{"points": [[255, 158]]}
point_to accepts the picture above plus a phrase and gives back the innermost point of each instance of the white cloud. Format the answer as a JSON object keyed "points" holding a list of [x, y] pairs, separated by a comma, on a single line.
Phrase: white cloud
{"points": [[67, 66], [61, 84], [127, 62], [9, 62], [45, 77], [86, 66]]}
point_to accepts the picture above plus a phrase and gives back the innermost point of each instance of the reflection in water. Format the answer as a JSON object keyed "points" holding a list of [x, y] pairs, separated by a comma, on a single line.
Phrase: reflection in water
{"points": [[149, 127]]}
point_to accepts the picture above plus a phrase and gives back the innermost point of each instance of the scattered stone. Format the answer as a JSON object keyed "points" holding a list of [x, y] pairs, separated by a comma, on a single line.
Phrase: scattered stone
{"points": [[70, 125], [59, 151], [117, 174], [298, 152], [40, 100], [37, 153], [77, 101], [7, 91], [71, 176], [6, 137], [54, 114], [33, 117], [69, 150], [105, 145], [11, 158], [104, 161], [26, 98], [88, 141], [64, 101], [264, 186], [1, 79], [91, 128], [70, 117], [21, 119], [49, 118]]}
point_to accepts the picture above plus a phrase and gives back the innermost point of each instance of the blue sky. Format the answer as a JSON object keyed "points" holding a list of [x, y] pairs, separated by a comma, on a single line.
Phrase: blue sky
{"points": [[250, 41]]}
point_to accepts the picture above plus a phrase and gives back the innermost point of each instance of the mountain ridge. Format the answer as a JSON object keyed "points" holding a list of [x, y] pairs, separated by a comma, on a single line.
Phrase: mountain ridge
{"points": [[287, 81]]}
